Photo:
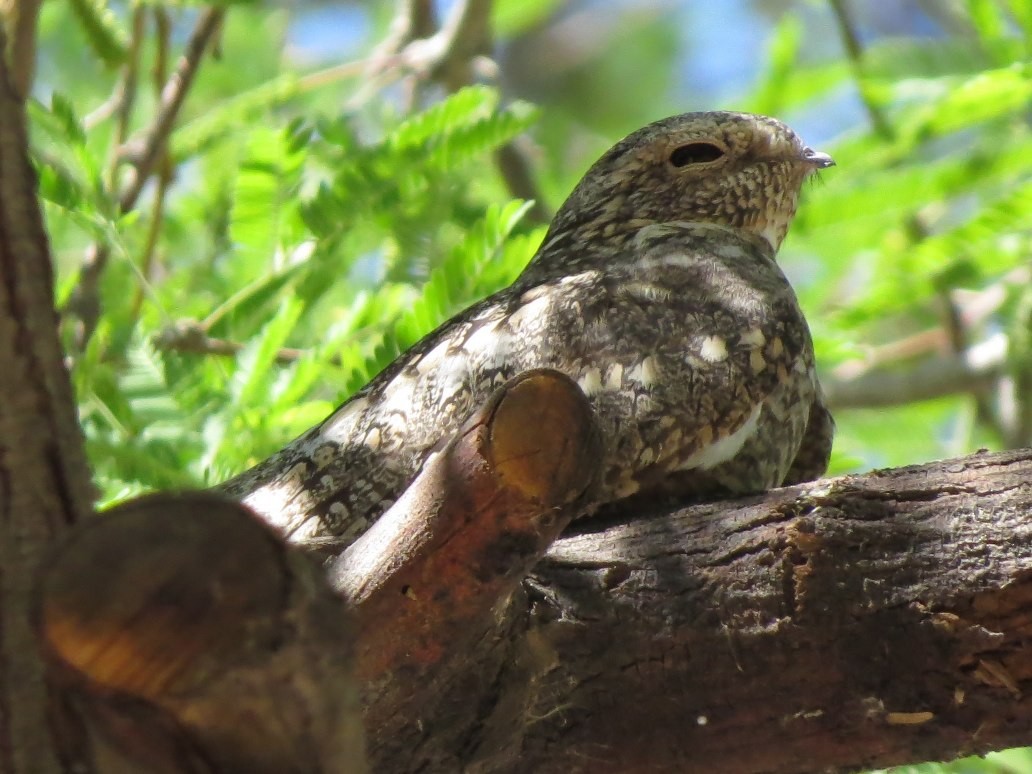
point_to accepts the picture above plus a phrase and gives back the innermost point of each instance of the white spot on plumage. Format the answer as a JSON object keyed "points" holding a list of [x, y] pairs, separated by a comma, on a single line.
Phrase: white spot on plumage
{"points": [[372, 439], [647, 291], [753, 338], [757, 362], [729, 251], [649, 371], [713, 349], [724, 449], [590, 381], [645, 373], [625, 488]]}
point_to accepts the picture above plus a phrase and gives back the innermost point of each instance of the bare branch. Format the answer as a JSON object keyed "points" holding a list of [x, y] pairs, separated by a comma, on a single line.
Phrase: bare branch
{"points": [[191, 337], [83, 306], [957, 334], [122, 99], [515, 169], [453, 56], [146, 152], [976, 369], [854, 51]]}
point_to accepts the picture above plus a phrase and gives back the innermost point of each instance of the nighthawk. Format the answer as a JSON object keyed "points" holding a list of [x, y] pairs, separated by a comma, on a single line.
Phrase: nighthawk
{"points": [[656, 289]]}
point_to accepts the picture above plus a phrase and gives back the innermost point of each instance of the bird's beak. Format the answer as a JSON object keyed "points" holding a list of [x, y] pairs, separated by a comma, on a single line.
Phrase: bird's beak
{"points": [[817, 159]]}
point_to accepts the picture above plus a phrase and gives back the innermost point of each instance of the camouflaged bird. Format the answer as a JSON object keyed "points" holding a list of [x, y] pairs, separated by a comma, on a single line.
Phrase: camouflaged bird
{"points": [[657, 290]]}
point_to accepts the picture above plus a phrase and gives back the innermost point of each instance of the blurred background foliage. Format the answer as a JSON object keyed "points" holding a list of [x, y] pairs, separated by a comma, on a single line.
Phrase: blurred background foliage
{"points": [[255, 207]]}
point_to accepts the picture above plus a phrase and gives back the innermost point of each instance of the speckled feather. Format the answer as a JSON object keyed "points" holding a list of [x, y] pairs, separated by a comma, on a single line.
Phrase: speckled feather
{"points": [[657, 290]]}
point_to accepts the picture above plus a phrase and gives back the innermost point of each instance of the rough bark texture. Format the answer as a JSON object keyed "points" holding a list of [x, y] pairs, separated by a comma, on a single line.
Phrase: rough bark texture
{"points": [[44, 483], [854, 622], [183, 636], [861, 621], [427, 580]]}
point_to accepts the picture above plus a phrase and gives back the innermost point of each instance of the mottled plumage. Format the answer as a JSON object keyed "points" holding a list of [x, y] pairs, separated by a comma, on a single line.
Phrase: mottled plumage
{"points": [[657, 290]]}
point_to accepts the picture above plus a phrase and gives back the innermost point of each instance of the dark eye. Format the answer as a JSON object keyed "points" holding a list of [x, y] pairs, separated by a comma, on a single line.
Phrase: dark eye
{"points": [[695, 153]]}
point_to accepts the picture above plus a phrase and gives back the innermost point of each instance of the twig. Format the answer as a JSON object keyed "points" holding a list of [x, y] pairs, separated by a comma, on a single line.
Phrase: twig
{"points": [[191, 337], [165, 172], [854, 51], [977, 368], [465, 35], [82, 310], [515, 170], [84, 303], [974, 308], [146, 153], [121, 101], [452, 57], [1016, 403], [956, 333], [153, 233]]}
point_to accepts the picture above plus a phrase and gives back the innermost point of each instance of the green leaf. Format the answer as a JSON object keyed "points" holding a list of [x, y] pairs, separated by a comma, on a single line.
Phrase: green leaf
{"points": [[451, 287], [228, 115], [103, 30], [952, 104], [257, 361], [782, 53], [467, 106], [265, 194]]}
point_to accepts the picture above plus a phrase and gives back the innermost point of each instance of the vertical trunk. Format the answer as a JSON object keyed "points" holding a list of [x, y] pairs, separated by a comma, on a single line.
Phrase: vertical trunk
{"points": [[44, 483]]}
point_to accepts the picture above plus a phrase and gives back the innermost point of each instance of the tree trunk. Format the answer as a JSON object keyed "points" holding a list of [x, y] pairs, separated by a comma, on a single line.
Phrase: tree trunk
{"points": [[44, 483]]}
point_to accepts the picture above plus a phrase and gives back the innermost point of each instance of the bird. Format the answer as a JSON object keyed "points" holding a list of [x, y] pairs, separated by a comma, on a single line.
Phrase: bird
{"points": [[656, 289]]}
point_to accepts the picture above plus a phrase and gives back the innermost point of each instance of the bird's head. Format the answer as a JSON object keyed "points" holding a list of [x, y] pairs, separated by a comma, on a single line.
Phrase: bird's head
{"points": [[734, 169]]}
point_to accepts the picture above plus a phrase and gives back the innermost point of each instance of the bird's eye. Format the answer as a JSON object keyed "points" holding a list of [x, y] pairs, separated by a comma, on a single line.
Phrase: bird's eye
{"points": [[695, 153]]}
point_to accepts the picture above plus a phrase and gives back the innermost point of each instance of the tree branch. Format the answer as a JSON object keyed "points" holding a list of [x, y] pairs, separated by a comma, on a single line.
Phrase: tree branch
{"points": [[146, 152], [426, 579], [854, 52], [851, 623], [44, 480], [976, 369], [169, 651], [452, 56]]}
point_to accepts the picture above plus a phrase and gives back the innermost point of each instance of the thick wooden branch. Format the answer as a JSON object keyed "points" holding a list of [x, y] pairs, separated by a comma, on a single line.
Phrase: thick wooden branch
{"points": [[855, 622], [183, 636], [428, 579], [850, 623]]}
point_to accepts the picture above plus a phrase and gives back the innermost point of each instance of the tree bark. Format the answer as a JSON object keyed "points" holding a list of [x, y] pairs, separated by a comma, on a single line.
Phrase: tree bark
{"points": [[850, 623], [44, 481], [183, 636]]}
